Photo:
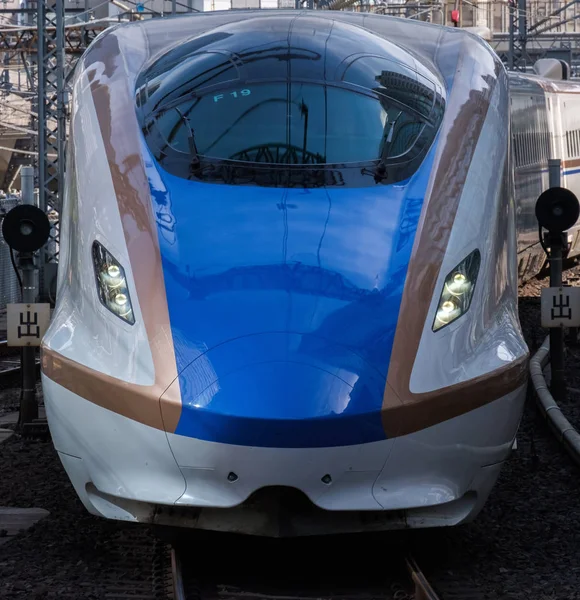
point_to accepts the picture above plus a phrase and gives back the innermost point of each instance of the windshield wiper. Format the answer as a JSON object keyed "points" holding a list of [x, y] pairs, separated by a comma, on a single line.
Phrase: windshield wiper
{"points": [[381, 168], [195, 163]]}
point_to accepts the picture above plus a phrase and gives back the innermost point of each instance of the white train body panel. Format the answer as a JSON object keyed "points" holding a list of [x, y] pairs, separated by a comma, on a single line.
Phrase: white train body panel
{"points": [[124, 470], [81, 329]]}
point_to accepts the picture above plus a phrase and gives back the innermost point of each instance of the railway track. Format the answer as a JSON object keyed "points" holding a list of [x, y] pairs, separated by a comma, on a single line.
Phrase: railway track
{"points": [[175, 582], [173, 578], [177, 585], [423, 589], [10, 365], [9, 361]]}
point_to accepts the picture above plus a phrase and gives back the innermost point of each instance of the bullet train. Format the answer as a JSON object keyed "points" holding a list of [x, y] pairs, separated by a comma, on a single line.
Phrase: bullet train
{"points": [[287, 292]]}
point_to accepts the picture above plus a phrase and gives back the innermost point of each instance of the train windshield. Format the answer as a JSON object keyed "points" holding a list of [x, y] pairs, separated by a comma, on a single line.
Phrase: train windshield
{"points": [[287, 123], [271, 111]]}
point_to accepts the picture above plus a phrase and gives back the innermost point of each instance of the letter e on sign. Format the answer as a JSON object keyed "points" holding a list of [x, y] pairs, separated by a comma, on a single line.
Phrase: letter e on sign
{"points": [[27, 323], [561, 307]]}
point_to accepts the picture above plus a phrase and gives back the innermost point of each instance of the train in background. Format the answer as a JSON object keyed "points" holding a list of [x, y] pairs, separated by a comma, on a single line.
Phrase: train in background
{"points": [[545, 124], [288, 282]]}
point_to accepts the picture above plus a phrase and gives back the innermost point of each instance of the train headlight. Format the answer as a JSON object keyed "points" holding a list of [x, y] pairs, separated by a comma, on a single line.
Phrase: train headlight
{"points": [[457, 291], [111, 284]]}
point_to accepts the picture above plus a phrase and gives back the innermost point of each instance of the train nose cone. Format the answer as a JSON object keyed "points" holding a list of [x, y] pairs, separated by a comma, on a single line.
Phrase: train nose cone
{"points": [[280, 390]]}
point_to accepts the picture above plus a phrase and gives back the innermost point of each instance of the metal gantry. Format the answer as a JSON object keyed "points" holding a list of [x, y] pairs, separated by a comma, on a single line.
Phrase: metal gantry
{"points": [[522, 30], [53, 98], [517, 57], [51, 127], [45, 52]]}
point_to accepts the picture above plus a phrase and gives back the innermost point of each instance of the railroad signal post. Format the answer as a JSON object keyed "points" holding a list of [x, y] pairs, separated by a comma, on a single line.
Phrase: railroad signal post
{"points": [[26, 229], [557, 210]]}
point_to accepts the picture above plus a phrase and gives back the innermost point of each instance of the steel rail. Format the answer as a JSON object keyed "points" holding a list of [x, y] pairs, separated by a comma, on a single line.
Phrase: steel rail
{"points": [[423, 589], [5, 373], [8, 372], [177, 576]]}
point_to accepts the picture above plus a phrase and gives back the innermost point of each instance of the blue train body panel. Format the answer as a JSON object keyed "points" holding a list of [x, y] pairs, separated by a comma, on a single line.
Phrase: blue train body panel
{"points": [[283, 305]]}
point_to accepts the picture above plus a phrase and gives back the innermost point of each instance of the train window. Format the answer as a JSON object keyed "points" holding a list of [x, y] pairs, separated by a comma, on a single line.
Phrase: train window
{"points": [[527, 147], [531, 133], [395, 81], [211, 68], [184, 52], [280, 124], [204, 113]]}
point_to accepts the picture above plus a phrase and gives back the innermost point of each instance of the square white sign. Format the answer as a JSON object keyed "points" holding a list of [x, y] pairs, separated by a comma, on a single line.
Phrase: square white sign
{"points": [[27, 323], [561, 307]]}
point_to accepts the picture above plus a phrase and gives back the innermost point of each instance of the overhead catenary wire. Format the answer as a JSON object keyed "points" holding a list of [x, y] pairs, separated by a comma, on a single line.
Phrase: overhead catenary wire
{"points": [[9, 19], [554, 13], [86, 23], [557, 24], [18, 128], [11, 106], [26, 152], [81, 25], [88, 12]]}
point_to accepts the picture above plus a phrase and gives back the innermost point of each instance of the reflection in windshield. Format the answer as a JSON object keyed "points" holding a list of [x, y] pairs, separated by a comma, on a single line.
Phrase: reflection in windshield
{"points": [[289, 100], [291, 123]]}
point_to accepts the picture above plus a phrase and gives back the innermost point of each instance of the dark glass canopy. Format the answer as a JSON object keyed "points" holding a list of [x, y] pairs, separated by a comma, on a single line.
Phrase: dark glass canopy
{"points": [[286, 100]]}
